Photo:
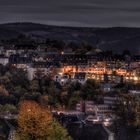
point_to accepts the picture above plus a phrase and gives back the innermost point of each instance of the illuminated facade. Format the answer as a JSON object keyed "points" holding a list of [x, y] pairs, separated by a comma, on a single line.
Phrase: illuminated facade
{"points": [[95, 67]]}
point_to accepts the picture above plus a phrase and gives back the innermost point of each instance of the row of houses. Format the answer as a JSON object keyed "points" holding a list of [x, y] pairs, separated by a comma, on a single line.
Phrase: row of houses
{"points": [[90, 107], [70, 66]]}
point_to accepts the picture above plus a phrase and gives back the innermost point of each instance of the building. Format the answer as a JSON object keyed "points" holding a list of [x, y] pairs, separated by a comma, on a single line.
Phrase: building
{"points": [[134, 92], [110, 100], [103, 109], [4, 60]]}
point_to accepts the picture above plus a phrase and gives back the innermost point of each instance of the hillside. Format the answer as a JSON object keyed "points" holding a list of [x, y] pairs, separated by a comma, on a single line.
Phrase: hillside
{"points": [[116, 39]]}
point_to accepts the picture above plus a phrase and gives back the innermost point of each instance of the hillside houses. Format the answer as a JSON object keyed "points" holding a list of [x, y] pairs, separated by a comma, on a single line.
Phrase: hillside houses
{"points": [[80, 67]]}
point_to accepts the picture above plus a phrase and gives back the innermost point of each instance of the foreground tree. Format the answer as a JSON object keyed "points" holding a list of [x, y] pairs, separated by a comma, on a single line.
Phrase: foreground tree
{"points": [[90, 91], [36, 123], [58, 133], [128, 109]]}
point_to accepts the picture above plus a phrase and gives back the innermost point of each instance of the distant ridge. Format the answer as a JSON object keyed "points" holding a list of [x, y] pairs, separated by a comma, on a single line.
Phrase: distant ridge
{"points": [[115, 38]]}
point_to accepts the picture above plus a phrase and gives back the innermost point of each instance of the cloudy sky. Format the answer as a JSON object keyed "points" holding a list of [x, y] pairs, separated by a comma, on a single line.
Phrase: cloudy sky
{"points": [[96, 13]]}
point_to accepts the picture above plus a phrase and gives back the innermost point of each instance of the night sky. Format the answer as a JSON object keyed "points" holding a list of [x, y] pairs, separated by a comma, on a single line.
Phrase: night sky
{"points": [[96, 13]]}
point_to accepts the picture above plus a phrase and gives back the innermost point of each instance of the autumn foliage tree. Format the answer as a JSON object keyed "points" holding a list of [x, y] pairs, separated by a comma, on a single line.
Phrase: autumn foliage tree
{"points": [[36, 123]]}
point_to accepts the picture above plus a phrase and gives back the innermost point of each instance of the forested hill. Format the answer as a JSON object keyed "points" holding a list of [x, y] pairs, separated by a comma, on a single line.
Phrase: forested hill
{"points": [[115, 38]]}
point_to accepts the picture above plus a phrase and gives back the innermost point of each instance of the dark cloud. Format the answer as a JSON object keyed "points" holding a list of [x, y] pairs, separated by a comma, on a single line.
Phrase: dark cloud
{"points": [[72, 12]]}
